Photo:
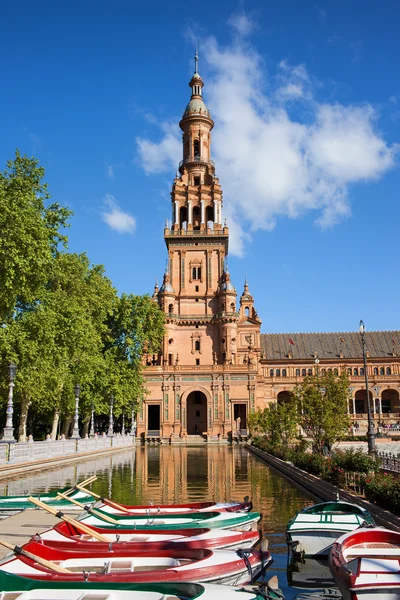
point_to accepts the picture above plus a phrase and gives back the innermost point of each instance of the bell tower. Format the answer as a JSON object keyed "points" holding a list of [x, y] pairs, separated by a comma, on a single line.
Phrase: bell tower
{"points": [[197, 244]]}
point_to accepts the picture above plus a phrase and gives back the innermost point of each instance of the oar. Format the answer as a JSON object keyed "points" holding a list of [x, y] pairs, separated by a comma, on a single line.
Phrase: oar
{"points": [[92, 511], [77, 524], [80, 486], [85, 482], [41, 561]]}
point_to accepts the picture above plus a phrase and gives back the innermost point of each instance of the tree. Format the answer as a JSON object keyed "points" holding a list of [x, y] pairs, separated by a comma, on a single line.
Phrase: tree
{"points": [[278, 422], [30, 234], [323, 401]]}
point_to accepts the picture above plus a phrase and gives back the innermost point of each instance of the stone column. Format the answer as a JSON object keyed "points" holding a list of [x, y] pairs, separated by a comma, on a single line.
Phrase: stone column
{"points": [[354, 405], [203, 216], [176, 218], [190, 212]]}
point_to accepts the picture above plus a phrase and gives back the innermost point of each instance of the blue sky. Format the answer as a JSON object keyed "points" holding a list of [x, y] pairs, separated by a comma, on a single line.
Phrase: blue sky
{"points": [[306, 102]]}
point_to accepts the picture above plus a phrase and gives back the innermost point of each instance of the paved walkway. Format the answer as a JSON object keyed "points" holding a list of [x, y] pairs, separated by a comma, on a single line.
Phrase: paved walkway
{"points": [[381, 446]]}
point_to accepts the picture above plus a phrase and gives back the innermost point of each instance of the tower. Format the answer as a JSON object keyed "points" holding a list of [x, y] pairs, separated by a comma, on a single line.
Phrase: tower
{"points": [[206, 361]]}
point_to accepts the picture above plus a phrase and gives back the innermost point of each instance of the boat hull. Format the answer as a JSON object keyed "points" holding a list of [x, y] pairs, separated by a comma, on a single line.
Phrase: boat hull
{"points": [[16, 503], [366, 564], [312, 543], [219, 566], [65, 535], [165, 509], [53, 590]]}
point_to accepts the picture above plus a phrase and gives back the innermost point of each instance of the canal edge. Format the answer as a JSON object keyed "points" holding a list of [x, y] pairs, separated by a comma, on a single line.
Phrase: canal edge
{"points": [[321, 490]]}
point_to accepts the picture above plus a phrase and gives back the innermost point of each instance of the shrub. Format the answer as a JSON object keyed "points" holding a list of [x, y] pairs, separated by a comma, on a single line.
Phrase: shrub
{"points": [[383, 490], [356, 461], [312, 463]]}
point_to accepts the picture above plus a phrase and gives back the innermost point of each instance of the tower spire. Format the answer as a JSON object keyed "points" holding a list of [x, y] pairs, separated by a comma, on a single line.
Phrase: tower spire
{"points": [[196, 62]]}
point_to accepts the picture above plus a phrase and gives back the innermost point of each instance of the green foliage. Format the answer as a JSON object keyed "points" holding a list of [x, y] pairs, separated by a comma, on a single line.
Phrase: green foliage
{"points": [[384, 490], [322, 400], [30, 234], [356, 461], [278, 425]]}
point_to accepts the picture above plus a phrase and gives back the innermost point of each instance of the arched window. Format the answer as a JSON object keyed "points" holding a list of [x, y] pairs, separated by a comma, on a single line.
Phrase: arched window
{"points": [[247, 311], [329, 370], [335, 371], [362, 372], [171, 309], [349, 371], [283, 372], [375, 370], [309, 371], [196, 148], [209, 216], [233, 307], [278, 372], [381, 371], [271, 372], [388, 371], [303, 372], [196, 218], [323, 371], [197, 345], [297, 372], [183, 216], [355, 372]]}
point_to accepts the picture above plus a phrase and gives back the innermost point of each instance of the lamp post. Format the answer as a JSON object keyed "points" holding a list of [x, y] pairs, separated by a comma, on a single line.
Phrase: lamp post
{"points": [[91, 434], [377, 398], [371, 427], [123, 422], [75, 432], [8, 431], [111, 418]]}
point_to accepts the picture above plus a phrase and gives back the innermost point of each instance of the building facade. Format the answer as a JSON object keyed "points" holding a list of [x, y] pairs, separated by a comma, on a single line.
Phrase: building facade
{"points": [[215, 367]]}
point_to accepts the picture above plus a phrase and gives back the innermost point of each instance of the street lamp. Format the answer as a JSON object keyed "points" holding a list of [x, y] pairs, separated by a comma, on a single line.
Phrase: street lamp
{"points": [[91, 434], [111, 418], [123, 422], [133, 421], [75, 432], [8, 431], [377, 398], [371, 427]]}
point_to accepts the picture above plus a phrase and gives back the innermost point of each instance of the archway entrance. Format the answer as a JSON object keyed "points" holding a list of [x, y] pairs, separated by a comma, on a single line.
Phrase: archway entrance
{"points": [[360, 402], [284, 397], [390, 401], [196, 413], [240, 416]]}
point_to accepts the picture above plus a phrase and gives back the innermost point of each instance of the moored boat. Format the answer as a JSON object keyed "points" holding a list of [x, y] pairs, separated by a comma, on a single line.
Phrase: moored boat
{"points": [[366, 564], [21, 588], [211, 520], [64, 535], [165, 509], [16, 503], [309, 573], [314, 529], [215, 566]]}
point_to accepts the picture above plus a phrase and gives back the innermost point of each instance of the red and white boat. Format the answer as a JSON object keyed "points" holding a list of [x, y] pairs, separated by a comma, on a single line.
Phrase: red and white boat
{"points": [[163, 509], [214, 566], [65, 535], [366, 564]]}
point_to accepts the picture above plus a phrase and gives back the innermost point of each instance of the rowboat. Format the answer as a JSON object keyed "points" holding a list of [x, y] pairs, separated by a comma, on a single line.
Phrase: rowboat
{"points": [[212, 566], [366, 564], [22, 588], [165, 509], [210, 520], [16, 503], [314, 529], [64, 535]]}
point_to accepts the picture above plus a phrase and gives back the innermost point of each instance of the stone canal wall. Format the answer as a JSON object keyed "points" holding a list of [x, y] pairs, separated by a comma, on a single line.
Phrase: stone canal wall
{"points": [[21, 457], [320, 490]]}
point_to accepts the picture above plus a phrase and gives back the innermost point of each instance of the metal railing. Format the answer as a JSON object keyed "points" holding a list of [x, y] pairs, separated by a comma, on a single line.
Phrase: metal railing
{"points": [[205, 232], [196, 159], [390, 461]]}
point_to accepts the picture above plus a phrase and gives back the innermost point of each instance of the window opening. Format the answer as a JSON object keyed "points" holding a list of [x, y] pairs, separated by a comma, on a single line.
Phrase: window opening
{"points": [[170, 359], [196, 148], [196, 181], [196, 273], [197, 362], [197, 345]]}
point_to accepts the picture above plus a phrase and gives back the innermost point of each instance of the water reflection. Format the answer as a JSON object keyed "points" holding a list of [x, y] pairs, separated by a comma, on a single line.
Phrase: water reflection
{"points": [[174, 474]]}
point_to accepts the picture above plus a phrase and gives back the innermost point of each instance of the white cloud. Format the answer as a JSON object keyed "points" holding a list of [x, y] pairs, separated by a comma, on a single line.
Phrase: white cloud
{"points": [[110, 171], [241, 23], [116, 218], [279, 151]]}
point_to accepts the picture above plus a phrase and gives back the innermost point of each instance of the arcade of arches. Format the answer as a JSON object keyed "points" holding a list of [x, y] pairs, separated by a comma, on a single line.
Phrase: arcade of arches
{"points": [[215, 366]]}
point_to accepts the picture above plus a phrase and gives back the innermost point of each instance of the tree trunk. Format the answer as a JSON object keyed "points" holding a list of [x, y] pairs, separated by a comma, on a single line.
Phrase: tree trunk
{"points": [[66, 425], [23, 419], [56, 419], [85, 427]]}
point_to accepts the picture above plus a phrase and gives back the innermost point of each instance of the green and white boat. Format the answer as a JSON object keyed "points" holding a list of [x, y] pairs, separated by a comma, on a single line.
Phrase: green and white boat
{"points": [[314, 529], [14, 587], [16, 503], [211, 520]]}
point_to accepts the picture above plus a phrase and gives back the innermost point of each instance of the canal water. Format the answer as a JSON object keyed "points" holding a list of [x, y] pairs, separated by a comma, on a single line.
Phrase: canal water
{"points": [[173, 474]]}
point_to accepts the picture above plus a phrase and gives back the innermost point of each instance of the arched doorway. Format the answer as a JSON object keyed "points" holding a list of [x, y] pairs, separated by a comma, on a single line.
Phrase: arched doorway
{"points": [[360, 402], [196, 413], [284, 397], [390, 401]]}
